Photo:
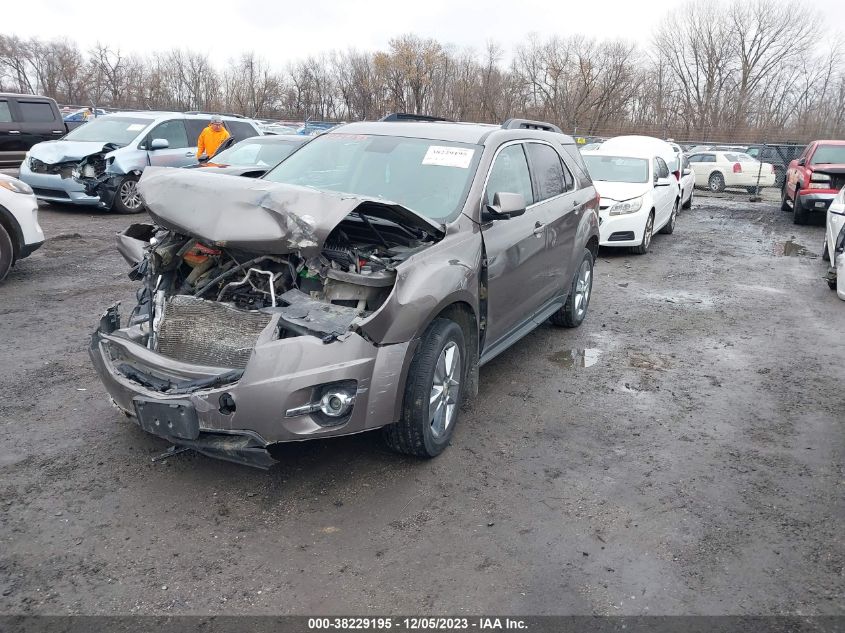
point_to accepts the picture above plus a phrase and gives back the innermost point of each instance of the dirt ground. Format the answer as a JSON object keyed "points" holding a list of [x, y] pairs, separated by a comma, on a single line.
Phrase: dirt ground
{"points": [[680, 453]]}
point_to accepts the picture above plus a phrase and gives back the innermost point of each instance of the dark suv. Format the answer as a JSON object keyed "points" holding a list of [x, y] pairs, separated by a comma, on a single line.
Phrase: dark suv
{"points": [[26, 120], [359, 284]]}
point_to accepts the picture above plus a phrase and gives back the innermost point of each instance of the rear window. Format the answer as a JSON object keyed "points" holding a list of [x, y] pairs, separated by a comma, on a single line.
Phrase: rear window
{"points": [[240, 129], [111, 129], [194, 128], [36, 111]]}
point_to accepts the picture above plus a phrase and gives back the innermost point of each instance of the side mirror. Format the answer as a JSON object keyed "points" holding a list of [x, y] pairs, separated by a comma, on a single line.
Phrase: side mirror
{"points": [[505, 205], [802, 161], [687, 171], [159, 143], [662, 182]]}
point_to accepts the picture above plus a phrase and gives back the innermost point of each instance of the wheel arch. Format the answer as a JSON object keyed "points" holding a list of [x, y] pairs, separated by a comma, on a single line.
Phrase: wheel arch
{"points": [[10, 223]]}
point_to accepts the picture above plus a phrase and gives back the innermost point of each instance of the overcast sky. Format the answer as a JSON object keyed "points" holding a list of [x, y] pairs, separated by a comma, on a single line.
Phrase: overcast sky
{"points": [[286, 31]]}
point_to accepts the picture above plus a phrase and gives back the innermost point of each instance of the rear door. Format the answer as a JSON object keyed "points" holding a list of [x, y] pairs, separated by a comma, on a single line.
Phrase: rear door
{"points": [[178, 153], [11, 147], [559, 208], [39, 121], [515, 247]]}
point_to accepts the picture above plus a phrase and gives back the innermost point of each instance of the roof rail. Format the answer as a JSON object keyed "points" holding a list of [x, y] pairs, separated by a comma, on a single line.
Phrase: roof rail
{"points": [[527, 124], [229, 114], [403, 116]]}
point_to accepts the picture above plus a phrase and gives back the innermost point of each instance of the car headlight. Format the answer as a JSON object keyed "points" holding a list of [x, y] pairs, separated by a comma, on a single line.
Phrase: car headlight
{"points": [[15, 185], [626, 206]]}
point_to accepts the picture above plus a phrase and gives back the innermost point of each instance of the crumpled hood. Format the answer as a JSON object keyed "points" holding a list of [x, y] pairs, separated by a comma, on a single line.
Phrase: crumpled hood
{"points": [[620, 190], [52, 152], [258, 215]]}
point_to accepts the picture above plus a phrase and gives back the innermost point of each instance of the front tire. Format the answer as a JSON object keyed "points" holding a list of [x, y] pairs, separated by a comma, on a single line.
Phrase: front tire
{"points": [[799, 214], [716, 182], [433, 392], [648, 233], [7, 253], [669, 227], [128, 200], [784, 201], [574, 311]]}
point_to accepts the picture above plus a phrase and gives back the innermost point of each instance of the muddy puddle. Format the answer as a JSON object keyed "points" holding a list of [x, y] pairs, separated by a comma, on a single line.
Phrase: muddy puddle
{"points": [[580, 357], [790, 248]]}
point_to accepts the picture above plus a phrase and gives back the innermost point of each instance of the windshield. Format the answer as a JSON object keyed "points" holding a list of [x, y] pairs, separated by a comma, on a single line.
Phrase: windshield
{"points": [[263, 153], [617, 168], [828, 154], [118, 130], [429, 177]]}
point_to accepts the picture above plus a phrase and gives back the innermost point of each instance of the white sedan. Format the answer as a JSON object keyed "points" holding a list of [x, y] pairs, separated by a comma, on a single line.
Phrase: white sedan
{"points": [[834, 244], [717, 170], [20, 233], [639, 196]]}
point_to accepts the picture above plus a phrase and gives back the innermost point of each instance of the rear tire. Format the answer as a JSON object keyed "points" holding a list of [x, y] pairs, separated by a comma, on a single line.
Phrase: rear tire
{"points": [[433, 387], [574, 311], [688, 203], [716, 182], [7, 253], [784, 201], [128, 200]]}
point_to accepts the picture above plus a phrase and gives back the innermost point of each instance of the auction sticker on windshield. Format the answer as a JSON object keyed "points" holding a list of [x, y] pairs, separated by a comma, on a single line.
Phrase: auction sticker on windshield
{"points": [[448, 156]]}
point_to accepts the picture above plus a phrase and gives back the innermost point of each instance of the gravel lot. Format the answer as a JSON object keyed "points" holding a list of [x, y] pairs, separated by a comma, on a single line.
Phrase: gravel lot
{"points": [[680, 453]]}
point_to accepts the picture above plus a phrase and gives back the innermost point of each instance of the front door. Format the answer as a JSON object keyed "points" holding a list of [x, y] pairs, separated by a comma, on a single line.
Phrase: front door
{"points": [[515, 247], [178, 153]]}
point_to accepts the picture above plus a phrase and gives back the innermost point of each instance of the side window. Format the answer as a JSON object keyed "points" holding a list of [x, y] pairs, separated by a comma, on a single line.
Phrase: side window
{"points": [[510, 173], [753, 152], [5, 113], [36, 111], [685, 163], [695, 158], [568, 180], [195, 128], [660, 168], [708, 158], [656, 168], [173, 132], [547, 169], [240, 129]]}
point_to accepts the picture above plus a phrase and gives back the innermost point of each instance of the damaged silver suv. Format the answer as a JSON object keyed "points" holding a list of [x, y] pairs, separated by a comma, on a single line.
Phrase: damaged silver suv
{"points": [[359, 284]]}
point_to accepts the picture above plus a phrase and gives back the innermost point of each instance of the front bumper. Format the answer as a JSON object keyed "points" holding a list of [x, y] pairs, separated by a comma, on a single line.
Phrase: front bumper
{"points": [[811, 200], [54, 188], [612, 227], [280, 375]]}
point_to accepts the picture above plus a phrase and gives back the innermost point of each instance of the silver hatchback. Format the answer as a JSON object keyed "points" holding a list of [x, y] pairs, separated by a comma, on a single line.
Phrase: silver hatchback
{"points": [[99, 163]]}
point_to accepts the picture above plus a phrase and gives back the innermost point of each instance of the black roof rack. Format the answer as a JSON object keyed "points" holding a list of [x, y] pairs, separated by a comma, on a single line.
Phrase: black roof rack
{"points": [[229, 114], [404, 116], [527, 124]]}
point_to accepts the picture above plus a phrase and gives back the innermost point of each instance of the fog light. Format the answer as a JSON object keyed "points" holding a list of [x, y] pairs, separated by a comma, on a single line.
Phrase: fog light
{"points": [[332, 401], [336, 403]]}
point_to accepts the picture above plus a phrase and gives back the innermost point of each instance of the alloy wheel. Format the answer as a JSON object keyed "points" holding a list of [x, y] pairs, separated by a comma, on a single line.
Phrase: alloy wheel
{"points": [[445, 389], [129, 195], [583, 288]]}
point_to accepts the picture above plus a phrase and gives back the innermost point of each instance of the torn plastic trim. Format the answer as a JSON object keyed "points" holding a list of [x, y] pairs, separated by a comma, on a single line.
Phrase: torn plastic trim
{"points": [[307, 316]]}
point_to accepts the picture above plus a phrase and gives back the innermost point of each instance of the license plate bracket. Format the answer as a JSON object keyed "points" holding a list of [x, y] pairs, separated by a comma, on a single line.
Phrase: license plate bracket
{"points": [[168, 418]]}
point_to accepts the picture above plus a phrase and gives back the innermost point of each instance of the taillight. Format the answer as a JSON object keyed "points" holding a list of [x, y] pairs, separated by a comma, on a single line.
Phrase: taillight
{"points": [[677, 175], [737, 168]]}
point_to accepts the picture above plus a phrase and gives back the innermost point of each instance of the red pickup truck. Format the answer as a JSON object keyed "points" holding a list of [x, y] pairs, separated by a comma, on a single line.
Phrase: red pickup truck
{"points": [[813, 179]]}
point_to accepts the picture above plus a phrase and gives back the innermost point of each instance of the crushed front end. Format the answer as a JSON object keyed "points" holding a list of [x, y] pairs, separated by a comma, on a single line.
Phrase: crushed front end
{"points": [[231, 349]]}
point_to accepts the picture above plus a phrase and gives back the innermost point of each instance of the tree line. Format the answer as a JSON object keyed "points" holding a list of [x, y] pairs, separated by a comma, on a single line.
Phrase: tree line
{"points": [[721, 71]]}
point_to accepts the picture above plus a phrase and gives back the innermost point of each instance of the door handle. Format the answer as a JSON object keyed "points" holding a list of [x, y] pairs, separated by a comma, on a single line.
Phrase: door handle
{"points": [[58, 131], [539, 229], [190, 153], [14, 131]]}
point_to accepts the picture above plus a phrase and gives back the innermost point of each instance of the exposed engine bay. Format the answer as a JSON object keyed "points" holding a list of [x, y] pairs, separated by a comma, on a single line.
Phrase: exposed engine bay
{"points": [[207, 304]]}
